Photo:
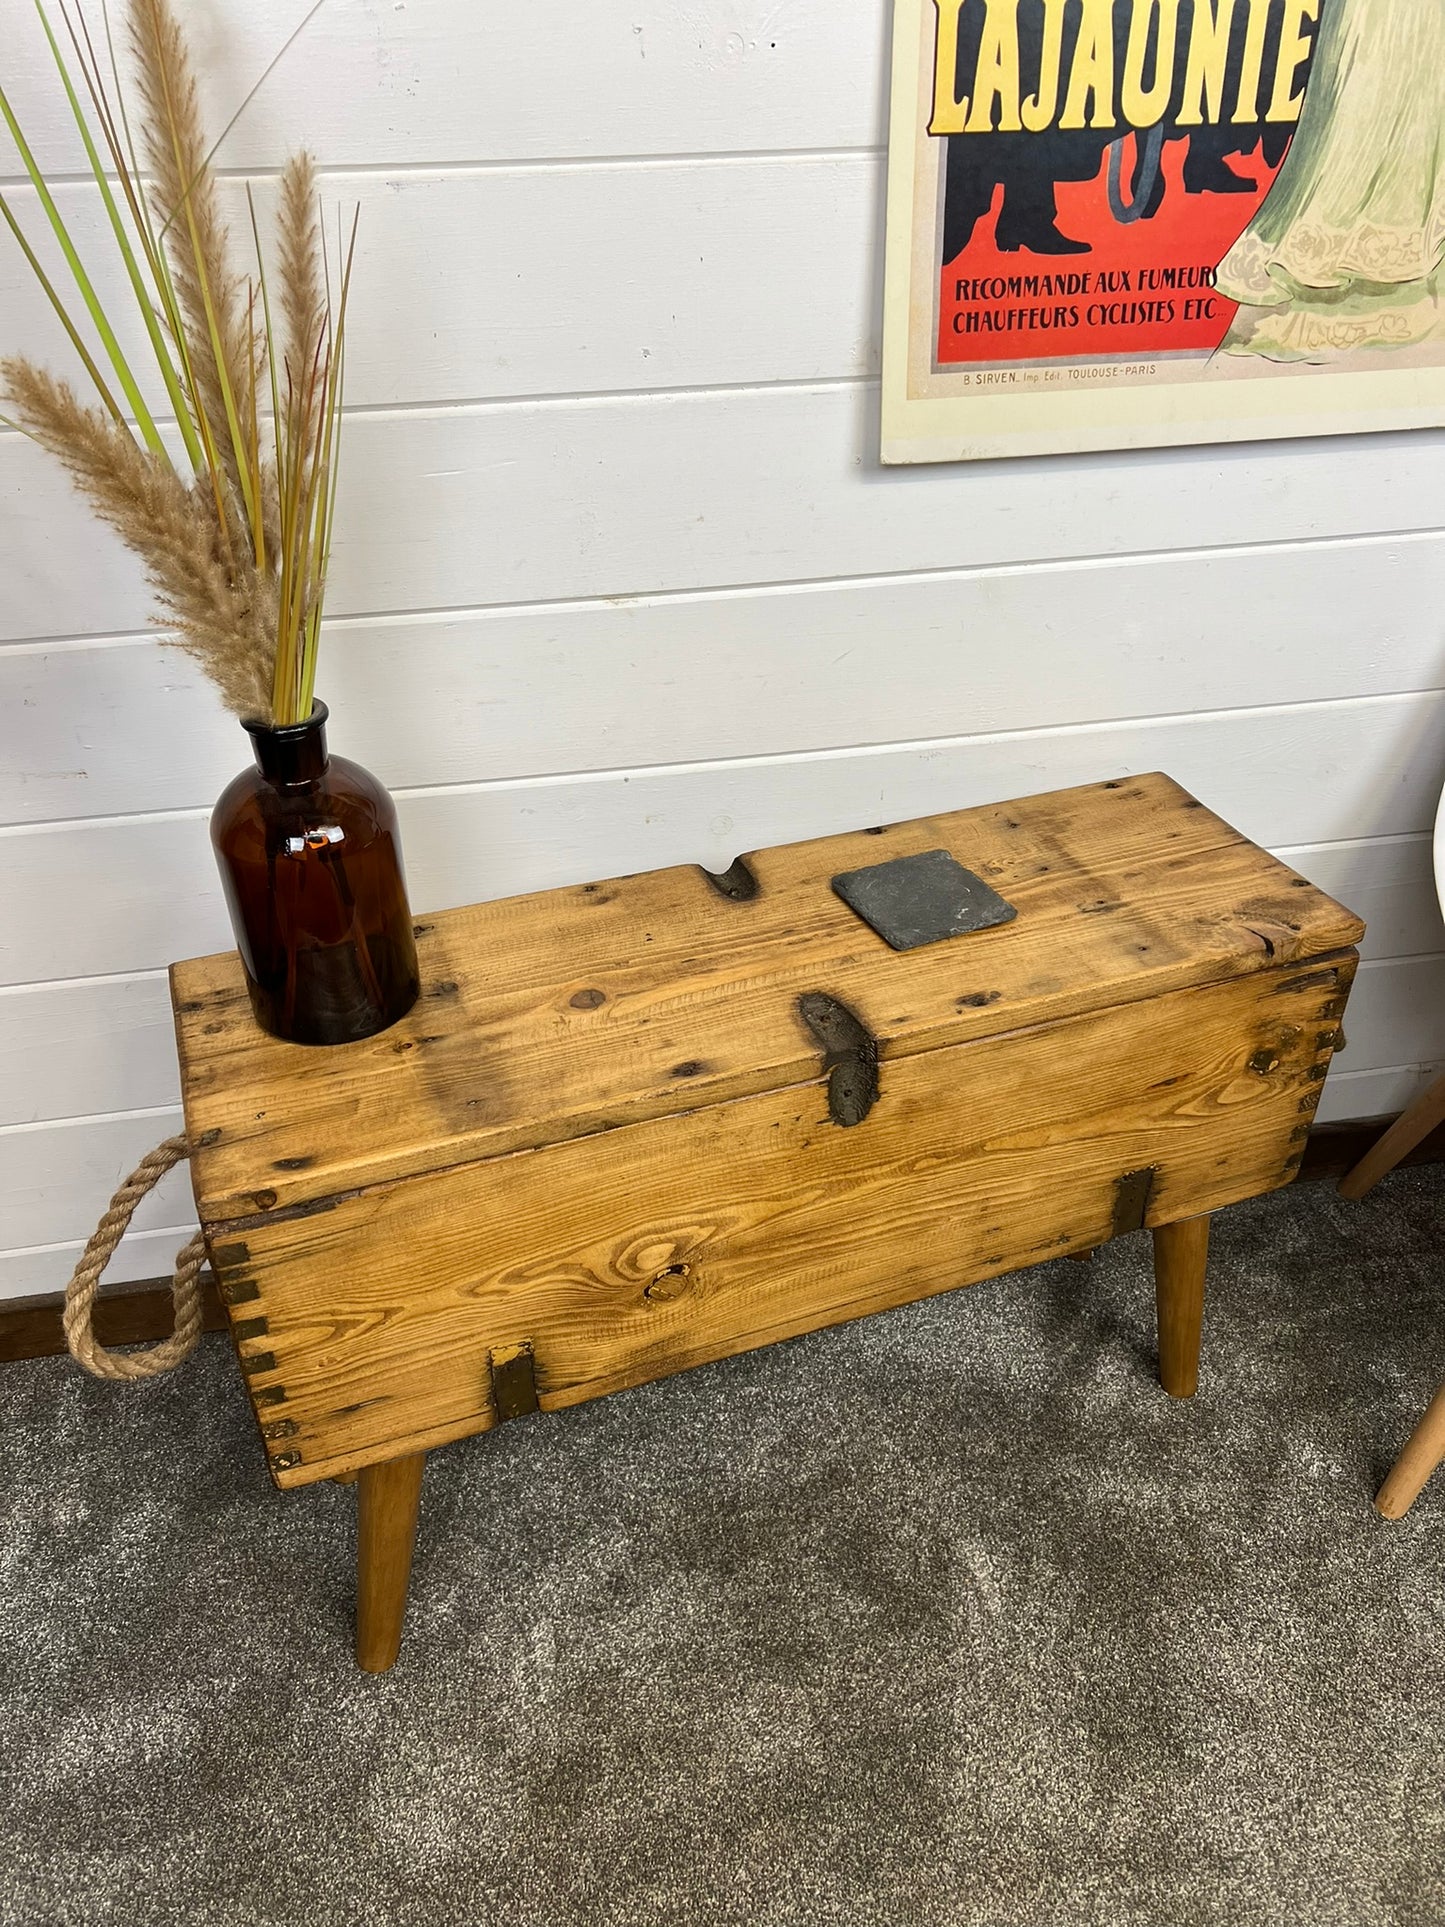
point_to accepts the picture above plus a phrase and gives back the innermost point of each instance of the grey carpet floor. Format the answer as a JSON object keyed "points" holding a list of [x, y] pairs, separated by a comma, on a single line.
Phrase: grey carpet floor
{"points": [[949, 1617]]}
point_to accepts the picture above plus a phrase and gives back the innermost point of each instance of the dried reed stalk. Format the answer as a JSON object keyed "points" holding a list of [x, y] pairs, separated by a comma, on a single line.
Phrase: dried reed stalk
{"points": [[208, 289], [235, 537], [298, 234]]}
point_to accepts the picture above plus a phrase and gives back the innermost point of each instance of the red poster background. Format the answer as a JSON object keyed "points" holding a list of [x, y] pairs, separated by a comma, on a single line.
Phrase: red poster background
{"points": [[1189, 231]]}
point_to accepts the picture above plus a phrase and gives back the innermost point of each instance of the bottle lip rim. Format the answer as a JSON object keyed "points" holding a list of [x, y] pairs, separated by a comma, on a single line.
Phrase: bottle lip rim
{"points": [[288, 732]]}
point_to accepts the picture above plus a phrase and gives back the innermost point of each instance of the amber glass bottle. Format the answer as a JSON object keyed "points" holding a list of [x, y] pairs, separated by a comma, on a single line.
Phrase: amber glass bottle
{"points": [[311, 862]]}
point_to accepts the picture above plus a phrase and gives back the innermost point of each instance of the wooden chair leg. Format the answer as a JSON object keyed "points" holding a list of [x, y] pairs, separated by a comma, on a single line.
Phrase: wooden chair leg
{"points": [[1181, 1252], [1408, 1130], [387, 1497], [1415, 1464]]}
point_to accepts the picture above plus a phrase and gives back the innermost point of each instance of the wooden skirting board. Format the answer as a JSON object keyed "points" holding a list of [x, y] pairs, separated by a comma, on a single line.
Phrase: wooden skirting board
{"points": [[130, 1315], [140, 1313], [1334, 1149]]}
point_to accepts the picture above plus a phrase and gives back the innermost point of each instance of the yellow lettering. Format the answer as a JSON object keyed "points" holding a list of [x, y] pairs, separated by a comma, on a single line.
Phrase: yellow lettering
{"points": [[1039, 109], [1146, 106], [996, 99], [1294, 46], [949, 112], [1093, 68], [997, 78], [1203, 95], [1246, 106]]}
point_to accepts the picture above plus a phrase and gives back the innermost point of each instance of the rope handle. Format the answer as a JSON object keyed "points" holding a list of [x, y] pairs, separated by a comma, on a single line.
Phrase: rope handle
{"points": [[85, 1280]]}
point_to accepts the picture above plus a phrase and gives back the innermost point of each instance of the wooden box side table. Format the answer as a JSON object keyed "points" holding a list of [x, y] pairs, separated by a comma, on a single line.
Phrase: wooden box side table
{"points": [[636, 1125]]}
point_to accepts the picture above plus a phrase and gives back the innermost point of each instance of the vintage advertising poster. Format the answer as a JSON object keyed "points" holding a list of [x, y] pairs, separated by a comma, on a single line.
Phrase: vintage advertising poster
{"points": [[1125, 223]]}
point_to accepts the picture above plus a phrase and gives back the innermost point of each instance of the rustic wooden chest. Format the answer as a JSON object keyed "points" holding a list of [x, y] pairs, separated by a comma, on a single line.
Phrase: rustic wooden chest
{"points": [[635, 1125]]}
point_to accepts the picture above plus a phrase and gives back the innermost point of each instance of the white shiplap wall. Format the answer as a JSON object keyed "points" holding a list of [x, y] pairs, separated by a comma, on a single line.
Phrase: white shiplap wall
{"points": [[620, 580]]}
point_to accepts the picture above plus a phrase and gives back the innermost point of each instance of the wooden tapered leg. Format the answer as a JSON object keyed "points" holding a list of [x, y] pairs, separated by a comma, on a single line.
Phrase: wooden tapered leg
{"points": [[1408, 1130], [1181, 1252], [387, 1497], [1415, 1464]]}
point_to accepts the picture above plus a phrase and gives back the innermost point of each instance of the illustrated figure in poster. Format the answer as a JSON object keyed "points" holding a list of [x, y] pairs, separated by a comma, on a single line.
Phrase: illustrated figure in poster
{"points": [[1346, 250], [1031, 165]]}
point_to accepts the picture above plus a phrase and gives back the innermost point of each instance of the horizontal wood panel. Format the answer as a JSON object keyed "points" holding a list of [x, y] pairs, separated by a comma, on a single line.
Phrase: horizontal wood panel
{"points": [[1395, 1027], [373, 82], [111, 897], [1390, 884], [81, 1048], [1351, 1095], [1399, 1002], [144, 1254], [1348, 1094], [128, 726], [555, 500], [86, 1049], [56, 1180], [149, 1254], [540, 281]]}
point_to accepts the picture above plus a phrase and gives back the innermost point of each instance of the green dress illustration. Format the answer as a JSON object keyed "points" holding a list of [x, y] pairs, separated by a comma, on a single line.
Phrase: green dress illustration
{"points": [[1345, 252]]}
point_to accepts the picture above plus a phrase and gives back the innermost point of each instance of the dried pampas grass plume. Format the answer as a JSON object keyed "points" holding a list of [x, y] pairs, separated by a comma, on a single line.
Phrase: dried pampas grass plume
{"points": [[223, 363], [222, 616], [235, 533], [302, 303]]}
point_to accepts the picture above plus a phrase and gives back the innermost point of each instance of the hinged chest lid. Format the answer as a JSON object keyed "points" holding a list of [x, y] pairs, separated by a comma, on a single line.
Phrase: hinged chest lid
{"points": [[577, 1010]]}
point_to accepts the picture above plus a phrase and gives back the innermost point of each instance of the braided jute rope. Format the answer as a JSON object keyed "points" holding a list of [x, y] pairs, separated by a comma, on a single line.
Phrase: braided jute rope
{"points": [[85, 1280]]}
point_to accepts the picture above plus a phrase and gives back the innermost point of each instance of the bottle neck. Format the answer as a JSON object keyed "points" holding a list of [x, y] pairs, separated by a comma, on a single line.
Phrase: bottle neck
{"points": [[294, 753]]}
